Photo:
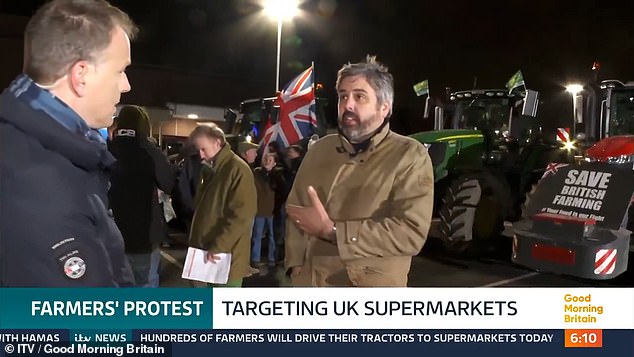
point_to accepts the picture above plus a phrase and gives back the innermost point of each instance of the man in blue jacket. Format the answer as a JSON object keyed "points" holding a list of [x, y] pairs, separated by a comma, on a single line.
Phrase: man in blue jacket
{"points": [[55, 229]]}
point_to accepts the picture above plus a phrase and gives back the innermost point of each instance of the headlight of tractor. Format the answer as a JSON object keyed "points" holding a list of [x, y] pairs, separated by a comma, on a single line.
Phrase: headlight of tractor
{"points": [[568, 145]]}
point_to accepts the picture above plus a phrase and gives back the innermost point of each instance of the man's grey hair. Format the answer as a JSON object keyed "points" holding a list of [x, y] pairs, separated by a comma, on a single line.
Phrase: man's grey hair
{"points": [[377, 76], [208, 131]]}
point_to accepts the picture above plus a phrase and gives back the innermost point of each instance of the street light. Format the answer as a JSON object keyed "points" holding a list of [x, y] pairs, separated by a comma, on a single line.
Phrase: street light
{"points": [[280, 10], [574, 89]]}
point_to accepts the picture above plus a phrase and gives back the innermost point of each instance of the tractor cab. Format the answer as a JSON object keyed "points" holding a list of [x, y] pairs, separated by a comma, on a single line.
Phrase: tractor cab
{"points": [[608, 110], [502, 118], [481, 110], [254, 115], [619, 109]]}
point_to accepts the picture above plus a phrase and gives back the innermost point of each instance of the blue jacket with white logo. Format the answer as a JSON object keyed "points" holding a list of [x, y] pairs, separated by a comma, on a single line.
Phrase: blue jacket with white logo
{"points": [[55, 229]]}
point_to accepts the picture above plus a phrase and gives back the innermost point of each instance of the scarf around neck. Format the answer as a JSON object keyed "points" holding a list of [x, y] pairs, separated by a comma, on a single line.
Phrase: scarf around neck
{"points": [[24, 89]]}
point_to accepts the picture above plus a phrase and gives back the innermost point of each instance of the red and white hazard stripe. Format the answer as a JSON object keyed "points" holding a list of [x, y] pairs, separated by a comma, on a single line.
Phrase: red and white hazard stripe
{"points": [[563, 134], [604, 261], [514, 246]]}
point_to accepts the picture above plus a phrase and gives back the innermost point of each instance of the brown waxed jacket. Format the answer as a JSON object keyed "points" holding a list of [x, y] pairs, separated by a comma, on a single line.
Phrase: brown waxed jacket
{"points": [[381, 201], [226, 203]]}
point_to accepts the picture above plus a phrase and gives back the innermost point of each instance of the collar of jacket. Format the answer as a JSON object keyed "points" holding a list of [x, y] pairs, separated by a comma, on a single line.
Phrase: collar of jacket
{"points": [[223, 156], [375, 140], [82, 152]]}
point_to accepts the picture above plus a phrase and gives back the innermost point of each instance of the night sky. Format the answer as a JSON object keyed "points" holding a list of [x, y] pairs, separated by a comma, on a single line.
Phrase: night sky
{"points": [[453, 43]]}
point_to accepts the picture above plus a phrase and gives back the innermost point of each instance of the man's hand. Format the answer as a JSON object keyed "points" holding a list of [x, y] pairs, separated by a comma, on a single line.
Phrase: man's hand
{"points": [[313, 219], [211, 257], [295, 271]]}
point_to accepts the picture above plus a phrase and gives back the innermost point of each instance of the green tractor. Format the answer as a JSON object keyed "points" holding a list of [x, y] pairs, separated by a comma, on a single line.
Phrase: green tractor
{"points": [[485, 163]]}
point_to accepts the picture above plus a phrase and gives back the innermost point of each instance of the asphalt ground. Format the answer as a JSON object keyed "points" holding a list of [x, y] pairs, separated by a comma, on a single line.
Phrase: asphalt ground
{"points": [[433, 267]]}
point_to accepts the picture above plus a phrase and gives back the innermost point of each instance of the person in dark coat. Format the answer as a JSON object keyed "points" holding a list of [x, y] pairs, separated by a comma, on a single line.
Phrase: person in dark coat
{"points": [[294, 155], [187, 182], [55, 229], [142, 169]]}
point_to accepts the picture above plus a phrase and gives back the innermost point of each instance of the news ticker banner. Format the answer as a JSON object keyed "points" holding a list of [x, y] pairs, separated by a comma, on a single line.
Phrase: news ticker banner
{"points": [[371, 342], [323, 308], [184, 322]]}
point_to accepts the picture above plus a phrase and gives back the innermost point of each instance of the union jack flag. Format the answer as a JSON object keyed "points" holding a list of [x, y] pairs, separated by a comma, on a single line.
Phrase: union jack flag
{"points": [[552, 168], [297, 118]]}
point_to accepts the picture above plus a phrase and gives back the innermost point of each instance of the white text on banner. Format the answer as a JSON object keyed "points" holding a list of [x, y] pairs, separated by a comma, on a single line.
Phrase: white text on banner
{"points": [[423, 308]]}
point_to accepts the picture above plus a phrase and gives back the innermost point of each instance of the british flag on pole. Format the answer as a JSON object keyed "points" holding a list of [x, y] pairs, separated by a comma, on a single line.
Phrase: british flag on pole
{"points": [[297, 118]]}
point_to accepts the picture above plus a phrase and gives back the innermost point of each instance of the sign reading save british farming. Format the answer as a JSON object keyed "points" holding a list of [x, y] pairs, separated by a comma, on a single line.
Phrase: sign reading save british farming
{"points": [[597, 191]]}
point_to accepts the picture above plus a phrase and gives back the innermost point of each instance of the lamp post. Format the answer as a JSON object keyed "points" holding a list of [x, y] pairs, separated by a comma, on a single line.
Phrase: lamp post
{"points": [[280, 10], [574, 90], [279, 51]]}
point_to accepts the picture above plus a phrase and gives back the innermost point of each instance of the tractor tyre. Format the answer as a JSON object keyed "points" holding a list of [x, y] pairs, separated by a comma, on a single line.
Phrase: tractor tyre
{"points": [[527, 199], [470, 217], [628, 223]]}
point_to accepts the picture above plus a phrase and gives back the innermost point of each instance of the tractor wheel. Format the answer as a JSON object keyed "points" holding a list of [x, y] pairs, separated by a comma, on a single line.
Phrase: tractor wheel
{"points": [[628, 223], [527, 199], [470, 217]]}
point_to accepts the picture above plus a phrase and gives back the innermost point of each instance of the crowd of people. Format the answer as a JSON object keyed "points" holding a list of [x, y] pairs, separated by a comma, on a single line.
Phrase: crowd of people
{"points": [[80, 209], [144, 185]]}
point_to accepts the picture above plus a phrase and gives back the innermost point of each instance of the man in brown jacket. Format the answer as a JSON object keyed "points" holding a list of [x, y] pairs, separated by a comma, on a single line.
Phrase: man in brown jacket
{"points": [[361, 204], [270, 186], [225, 203]]}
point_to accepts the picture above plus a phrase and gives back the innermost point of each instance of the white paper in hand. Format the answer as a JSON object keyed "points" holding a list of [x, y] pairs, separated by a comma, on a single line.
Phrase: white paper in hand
{"points": [[195, 267]]}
